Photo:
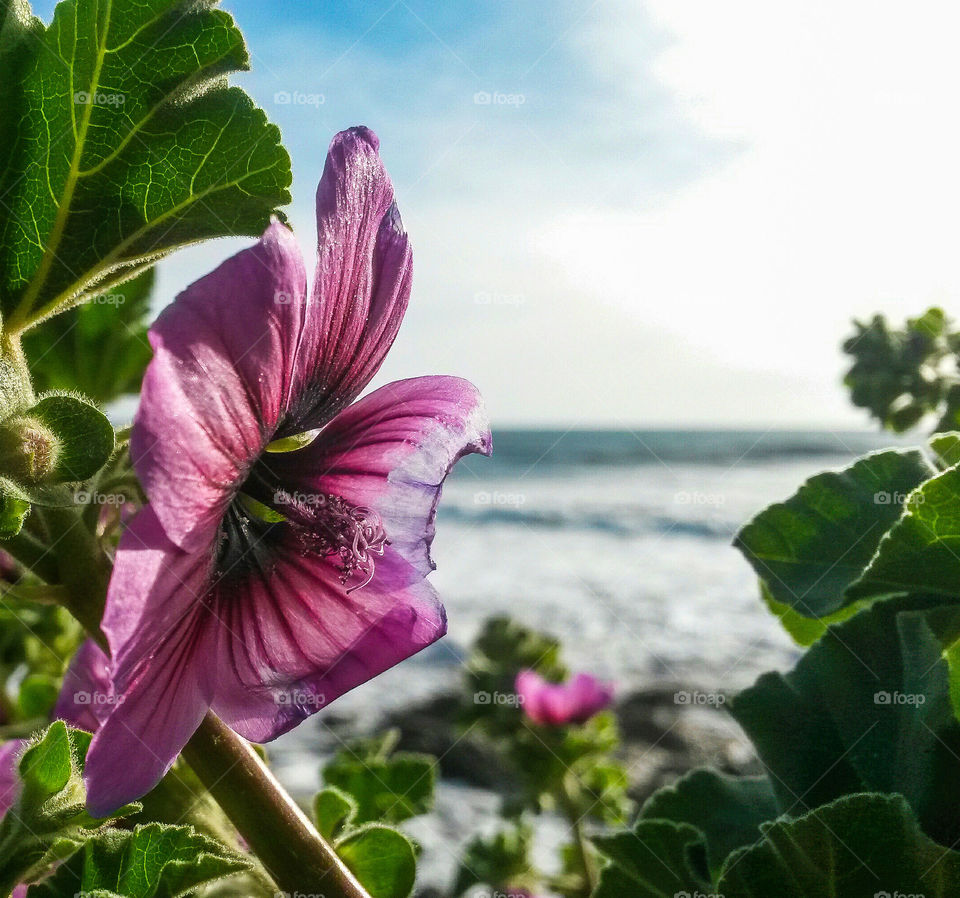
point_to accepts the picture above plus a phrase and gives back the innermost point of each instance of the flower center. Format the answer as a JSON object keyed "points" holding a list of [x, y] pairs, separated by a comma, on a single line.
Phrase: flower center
{"points": [[254, 533], [351, 535]]}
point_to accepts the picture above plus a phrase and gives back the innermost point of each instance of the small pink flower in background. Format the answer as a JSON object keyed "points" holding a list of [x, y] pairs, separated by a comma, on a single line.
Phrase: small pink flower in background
{"points": [[557, 704], [283, 556]]}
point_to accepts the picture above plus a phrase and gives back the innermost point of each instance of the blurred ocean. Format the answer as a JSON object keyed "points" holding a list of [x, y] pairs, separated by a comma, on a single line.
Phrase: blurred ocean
{"points": [[619, 543]]}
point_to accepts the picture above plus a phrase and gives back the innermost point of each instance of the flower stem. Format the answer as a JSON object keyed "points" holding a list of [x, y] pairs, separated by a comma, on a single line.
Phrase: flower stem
{"points": [[274, 826], [581, 843], [271, 823]]}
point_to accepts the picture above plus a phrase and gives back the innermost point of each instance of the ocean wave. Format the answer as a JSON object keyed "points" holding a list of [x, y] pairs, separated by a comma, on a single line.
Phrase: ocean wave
{"points": [[637, 523]]}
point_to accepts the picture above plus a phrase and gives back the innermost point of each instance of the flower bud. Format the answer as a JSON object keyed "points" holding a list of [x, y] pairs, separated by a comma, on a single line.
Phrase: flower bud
{"points": [[28, 449]]}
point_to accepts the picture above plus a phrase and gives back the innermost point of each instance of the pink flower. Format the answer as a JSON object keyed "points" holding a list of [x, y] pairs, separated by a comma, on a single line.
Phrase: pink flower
{"points": [[260, 583], [557, 704]]}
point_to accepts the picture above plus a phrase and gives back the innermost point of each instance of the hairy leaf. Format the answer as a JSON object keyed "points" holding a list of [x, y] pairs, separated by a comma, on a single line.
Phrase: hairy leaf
{"points": [[809, 549], [382, 859], [727, 810], [152, 861], [657, 858], [99, 348], [862, 845], [922, 552], [127, 142]]}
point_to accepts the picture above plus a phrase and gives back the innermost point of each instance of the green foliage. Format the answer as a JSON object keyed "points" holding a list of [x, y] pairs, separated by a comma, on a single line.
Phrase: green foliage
{"points": [[655, 858], [13, 512], [867, 709], [386, 787], [49, 821], [501, 650], [727, 811], [920, 552], [382, 859], [502, 860], [370, 785], [123, 141], [39, 639], [804, 631], [809, 549], [152, 861], [904, 375], [99, 348], [333, 810], [47, 450], [861, 845]]}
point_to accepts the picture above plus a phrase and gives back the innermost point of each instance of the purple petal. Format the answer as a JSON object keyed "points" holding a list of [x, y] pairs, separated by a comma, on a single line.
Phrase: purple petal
{"points": [[158, 711], [86, 696], [159, 635], [10, 783], [293, 641], [391, 452], [362, 285], [218, 384]]}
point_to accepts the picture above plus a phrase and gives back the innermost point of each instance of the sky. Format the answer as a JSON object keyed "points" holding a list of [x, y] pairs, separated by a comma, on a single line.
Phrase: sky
{"points": [[667, 213]]}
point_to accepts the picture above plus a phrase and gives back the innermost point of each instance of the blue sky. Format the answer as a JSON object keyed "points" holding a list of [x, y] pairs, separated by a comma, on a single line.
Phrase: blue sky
{"points": [[668, 213]]}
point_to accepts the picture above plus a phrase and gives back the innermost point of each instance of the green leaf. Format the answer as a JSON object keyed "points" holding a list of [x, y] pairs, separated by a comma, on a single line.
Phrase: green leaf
{"points": [[127, 143], [49, 821], [19, 33], [727, 810], [98, 348], [947, 448], [809, 549], [867, 709], [658, 858], [805, 631], [921, 553], [13, 512], [382, 859], [152, 861], [386, 789], [333, 810], [862, 845]]}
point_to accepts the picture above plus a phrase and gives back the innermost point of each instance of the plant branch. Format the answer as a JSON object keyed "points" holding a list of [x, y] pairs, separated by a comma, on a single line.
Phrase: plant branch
{"points": [[274, 826]]}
